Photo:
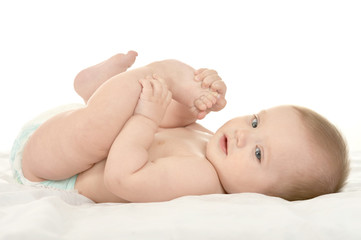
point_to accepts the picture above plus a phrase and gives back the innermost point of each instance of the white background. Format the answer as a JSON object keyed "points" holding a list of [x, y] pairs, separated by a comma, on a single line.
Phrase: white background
{"points": [[269, 52]]}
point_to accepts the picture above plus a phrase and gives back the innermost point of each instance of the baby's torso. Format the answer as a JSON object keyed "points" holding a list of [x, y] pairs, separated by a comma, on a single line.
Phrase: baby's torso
{"points": [[180, 142]]}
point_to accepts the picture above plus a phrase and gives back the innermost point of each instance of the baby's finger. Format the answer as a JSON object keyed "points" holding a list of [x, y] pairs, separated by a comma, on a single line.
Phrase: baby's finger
{"points": [[206, 72], [146, 84], [156, 76], [197, 72], [200, 105], [207, 101], [163, 84], [157, 88], [208, 80], [213, 97], [147, 89], [221, 103], [219, 86]]}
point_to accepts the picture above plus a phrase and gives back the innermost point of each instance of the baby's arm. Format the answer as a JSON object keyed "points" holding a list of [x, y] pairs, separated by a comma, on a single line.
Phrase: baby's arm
{"points": [[129, 152], [130, 174]]}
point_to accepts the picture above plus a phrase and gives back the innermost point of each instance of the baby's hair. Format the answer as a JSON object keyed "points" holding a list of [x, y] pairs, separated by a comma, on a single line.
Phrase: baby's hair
{"points": [[334, 154]]}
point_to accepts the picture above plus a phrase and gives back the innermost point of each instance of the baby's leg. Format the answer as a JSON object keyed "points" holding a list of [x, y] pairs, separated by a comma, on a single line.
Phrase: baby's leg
{"points": [[89, 79], [73, 141], [190, 101]]}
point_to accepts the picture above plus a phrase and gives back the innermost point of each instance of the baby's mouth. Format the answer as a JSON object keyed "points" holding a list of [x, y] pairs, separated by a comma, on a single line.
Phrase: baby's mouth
{"points": [[223, 143]]}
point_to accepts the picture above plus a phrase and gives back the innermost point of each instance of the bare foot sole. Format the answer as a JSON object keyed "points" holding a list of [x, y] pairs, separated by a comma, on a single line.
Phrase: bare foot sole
{"points": [[89, 79]]}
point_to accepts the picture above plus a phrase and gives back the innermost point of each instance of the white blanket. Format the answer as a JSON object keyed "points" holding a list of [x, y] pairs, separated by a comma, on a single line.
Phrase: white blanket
{"points": [[33, 213]]}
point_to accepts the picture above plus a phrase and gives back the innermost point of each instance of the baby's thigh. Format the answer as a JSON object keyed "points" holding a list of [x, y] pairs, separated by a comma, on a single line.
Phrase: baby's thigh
{"points": [[90, 183]]}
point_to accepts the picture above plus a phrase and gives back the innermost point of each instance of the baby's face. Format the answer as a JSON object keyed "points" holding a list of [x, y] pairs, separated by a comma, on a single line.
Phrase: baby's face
{"points": [[253, 153]]}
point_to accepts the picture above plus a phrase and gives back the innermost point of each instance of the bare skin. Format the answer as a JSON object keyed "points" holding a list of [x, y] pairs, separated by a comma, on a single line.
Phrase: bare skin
{"points": [[89, 79], [79, 141], [133, 143], [162, 164]]}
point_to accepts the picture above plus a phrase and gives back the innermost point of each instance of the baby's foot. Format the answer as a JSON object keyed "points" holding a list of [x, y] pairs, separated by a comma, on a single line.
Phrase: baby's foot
{"points": [[212, 81], [89, 79], [154, 99], [188, 91], [213, 92], [203, 104]]}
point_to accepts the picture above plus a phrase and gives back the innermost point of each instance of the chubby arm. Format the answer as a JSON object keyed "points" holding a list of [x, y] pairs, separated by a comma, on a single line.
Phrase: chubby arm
{"points": [[128, 172], [137, 135], [166, 179]]}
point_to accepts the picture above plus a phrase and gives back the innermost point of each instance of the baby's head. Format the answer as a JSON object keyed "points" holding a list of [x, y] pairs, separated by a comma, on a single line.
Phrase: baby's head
{"points": [[287, 151]]}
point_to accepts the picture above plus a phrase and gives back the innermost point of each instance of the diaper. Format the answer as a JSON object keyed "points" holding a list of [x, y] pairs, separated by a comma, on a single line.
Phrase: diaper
{"points": [[16, 153]]}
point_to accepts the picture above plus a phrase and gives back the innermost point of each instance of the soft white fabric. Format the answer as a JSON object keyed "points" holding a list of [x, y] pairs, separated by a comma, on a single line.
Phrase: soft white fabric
{"points": [[32, 213]]}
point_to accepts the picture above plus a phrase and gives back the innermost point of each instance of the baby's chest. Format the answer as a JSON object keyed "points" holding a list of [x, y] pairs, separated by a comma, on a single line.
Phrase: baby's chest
{"points": [[178, 142]]}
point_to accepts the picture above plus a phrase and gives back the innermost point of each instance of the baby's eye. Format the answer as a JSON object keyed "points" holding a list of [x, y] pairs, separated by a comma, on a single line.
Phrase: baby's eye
{"points": [[258, 153], [255, 122]]}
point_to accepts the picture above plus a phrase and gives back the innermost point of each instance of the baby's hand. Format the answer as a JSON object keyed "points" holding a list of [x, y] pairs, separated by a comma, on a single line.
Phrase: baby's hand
{"points": [[210, 79], [154, 99]]}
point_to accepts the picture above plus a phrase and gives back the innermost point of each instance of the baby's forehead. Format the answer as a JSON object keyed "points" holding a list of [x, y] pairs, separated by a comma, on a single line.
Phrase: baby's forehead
{"points": [[295, 156], [280, 110], [283, 123], [288, 140]]}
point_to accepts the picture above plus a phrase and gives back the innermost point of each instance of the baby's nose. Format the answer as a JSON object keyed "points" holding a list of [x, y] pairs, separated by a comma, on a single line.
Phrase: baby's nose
{"points": [[241, 136]]}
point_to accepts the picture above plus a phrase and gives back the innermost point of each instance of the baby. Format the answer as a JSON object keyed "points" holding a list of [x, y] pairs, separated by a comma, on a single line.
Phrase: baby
{"points": [[137, 140]]}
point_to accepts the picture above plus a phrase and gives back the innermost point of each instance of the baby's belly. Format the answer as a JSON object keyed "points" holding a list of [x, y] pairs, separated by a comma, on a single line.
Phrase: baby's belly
{"points": [[90, 183]]}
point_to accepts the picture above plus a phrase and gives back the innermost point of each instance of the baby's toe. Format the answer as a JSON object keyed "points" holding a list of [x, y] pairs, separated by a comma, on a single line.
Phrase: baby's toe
{"points": [[200, 105], [213, 96], [207, 101]]}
